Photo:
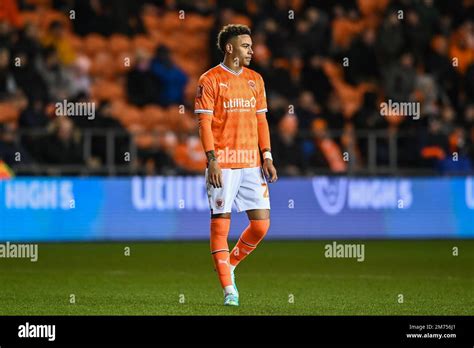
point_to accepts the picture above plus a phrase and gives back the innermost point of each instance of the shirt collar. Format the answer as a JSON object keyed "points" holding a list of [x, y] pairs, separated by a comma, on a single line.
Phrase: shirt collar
{"points": [[225, 67]]}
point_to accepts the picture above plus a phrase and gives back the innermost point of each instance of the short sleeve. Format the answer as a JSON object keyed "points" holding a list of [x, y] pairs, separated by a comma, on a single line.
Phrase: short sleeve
{"points": [[261, 96], [205, 97]]}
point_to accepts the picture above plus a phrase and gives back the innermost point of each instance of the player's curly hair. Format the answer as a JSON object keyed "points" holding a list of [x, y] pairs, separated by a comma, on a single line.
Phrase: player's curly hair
{"points": [[228, 32]]}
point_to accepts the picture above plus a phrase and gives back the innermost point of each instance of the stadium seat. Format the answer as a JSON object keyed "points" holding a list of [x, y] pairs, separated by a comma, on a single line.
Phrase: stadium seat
{"points": [[103, 65], [119, 43], [124, 62], [130, 115], [107, 90], [8, 112], [142, 138], [152, 116], [145, 43], [94, 43]]}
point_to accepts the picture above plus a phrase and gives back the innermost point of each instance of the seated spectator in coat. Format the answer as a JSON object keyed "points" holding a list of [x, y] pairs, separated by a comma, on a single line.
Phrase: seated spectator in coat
{"points": [[63, 146], [172, 80], [11, 151], [287, 146], [141, 83], [57, 37]]}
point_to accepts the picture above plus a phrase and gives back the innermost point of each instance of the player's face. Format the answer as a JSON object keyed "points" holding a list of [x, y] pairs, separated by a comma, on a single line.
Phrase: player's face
{"points": [[243, 50]]}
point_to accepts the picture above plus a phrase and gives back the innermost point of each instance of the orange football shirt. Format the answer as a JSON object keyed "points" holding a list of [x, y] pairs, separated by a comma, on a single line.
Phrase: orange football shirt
{"points": [[233, 100]]}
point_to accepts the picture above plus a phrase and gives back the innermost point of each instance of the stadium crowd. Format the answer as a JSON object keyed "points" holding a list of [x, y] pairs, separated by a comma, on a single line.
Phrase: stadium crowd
{"points": [[327, 68]]}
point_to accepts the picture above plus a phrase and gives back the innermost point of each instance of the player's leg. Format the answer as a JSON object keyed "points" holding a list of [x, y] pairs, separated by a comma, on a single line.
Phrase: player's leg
{"points": [[220, 202], [220, 226], [253, 197], [259, 223]]}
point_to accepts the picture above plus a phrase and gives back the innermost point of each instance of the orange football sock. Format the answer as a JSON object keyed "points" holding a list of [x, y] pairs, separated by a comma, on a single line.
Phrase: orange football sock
{"points": [[220, 249], [248, 241]]}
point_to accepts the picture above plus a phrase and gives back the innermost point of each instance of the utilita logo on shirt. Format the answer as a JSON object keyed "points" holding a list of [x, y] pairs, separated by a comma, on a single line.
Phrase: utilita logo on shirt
{"points": [[240, 103]]}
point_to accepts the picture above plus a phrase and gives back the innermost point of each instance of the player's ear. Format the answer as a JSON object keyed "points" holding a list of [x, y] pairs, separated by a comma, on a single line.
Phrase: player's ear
{"points": [[228, 47]]}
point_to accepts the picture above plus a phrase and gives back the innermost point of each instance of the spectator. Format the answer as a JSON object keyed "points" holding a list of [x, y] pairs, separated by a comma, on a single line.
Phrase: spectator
{"points": [[458, 160], [172, 80], [56, 37], [434, 144], [440, 66], [315, 79], [12, 152], [400, 79], [7, 80], [63, 145], [105, 121], [363, 65], [287, 146], [81, 81], [141, 84], [307, 109], [390, 39], [29, 79], [57, 77]]}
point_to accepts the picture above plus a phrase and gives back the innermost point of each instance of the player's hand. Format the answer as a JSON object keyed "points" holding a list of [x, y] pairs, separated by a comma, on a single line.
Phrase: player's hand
{"points": [[269, 170], [214, 174]]}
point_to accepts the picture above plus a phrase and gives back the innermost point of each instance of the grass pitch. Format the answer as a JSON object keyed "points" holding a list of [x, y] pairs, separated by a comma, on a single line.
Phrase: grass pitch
{"points": [[279, 278]]}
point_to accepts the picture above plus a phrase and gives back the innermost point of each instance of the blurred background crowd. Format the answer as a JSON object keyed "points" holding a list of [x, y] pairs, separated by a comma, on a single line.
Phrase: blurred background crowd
{"points": [[327, 66]]}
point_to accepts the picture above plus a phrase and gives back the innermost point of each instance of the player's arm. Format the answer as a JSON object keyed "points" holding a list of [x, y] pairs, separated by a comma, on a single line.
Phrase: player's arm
{"points": [[265, 147], [204, 107], [263, 132]]}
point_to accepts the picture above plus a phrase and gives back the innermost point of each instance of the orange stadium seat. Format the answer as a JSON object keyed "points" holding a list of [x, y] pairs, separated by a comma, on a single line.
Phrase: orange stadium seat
{"points": [[103, 65], [187, 123], [107, 90], [117, 107], [124, 62], [94, 43], [119, 43], [152, 116], [190, 89], [151, 22], [143, 139], [195, 23], [8, 112], [371, 7], [77, 43], [171, 22], [130, 115], [241, 19], [40, 3], [145, 43]]}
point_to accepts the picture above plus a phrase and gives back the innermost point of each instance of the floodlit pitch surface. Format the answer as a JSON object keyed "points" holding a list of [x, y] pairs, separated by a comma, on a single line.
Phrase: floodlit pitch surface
{"points": [[280, 278]]}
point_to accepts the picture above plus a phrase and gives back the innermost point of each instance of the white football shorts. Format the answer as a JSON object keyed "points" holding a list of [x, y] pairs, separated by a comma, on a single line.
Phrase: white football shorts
{"points": [[246, 187]]}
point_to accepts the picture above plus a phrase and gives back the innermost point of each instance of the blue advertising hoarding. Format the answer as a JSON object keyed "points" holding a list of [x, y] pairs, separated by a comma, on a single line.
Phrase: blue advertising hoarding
{"points": [[176, 208]]}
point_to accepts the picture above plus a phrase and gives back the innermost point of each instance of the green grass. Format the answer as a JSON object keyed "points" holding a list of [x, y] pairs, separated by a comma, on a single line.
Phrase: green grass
{"points": [[151, 280]]}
